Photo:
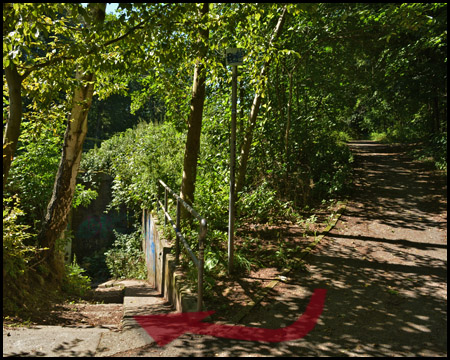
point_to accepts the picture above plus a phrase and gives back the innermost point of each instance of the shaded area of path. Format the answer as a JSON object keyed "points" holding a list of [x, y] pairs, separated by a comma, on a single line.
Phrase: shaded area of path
{"points": [[384, 265], [386, 261]]}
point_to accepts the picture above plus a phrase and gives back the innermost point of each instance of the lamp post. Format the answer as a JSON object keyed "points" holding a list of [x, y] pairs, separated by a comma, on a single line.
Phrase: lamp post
{"points": [[234, 58]]}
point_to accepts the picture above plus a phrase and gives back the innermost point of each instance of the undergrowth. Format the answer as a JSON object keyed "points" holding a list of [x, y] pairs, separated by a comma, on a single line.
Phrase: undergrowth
{"points": [[126, 258], [28, 284]]}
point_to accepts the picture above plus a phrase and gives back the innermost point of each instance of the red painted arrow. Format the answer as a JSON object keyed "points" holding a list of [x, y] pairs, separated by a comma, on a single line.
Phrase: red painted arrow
{"points": [[165, 328]]}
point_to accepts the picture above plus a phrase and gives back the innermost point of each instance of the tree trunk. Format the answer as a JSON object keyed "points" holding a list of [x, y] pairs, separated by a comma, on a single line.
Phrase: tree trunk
{"points": [[288, 127], [58, 210], [248, 137], [279, 92], [12, 130], [195, 120]]}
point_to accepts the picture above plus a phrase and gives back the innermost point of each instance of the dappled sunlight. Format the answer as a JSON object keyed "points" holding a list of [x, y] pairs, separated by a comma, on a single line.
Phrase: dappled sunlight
{"points": [[385, 269], [253, 114]]}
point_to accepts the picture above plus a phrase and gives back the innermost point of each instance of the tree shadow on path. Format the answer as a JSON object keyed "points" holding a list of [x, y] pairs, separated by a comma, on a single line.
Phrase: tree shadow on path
{"points": [[384, 265]]}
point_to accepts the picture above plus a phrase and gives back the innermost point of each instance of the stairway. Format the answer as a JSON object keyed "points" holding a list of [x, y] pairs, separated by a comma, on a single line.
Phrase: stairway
{"points": [[139, 299]]}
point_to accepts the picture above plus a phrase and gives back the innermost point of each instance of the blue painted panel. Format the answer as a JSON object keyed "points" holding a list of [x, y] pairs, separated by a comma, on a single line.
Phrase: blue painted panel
{"points": [[151, 253]]}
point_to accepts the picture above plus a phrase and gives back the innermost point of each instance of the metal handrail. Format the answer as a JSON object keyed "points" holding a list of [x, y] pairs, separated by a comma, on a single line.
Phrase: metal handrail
{"points": [[199, 262]]}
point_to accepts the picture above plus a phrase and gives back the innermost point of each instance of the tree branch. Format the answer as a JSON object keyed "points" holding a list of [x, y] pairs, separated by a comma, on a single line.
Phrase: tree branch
{"points": [[90, 52], [138, 26]]}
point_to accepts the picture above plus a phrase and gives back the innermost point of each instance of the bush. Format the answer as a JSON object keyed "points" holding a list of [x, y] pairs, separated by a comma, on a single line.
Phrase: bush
{"points": [[137, 159], [438, 150], [379, 136], [74, 282], [435, 149], [32, 176], [126, 259], [261, 204], [33, 170], [212, 194], [16, 252], [331, 167]]}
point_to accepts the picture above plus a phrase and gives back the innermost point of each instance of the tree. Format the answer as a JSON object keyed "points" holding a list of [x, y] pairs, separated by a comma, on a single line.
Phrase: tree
{"points": [[60, 204], [20, 26], [63, 48], [12, 129], [196, 114], [36, 37], [246, 145], [381, 66], [39, 41]]}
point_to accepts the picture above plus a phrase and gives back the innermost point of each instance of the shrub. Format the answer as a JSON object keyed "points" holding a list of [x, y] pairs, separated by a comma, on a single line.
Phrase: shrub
{"points": [[126, 259], [438, 150], [137, 159], [32, 176], [74, 282], [17, 252], [260, 204]]}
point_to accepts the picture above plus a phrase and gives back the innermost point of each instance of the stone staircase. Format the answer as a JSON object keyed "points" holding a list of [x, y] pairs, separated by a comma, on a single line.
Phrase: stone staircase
{"points": [[139, 299]]}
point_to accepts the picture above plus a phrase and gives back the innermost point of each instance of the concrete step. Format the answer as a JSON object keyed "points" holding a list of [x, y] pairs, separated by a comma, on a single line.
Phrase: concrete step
{"points": [[139, 299]]}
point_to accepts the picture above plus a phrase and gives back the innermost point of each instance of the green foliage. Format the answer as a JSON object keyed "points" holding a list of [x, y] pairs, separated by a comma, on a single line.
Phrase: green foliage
{"points": [[18, 248], [212, 187], [112, 115], [330, 167], [378, 136], [83, 196], [33, 171], [335, 69], [126, 259], [432, 149], [437, 149], [211, 261], [260, 205], [137, 159], [74, 282], [318, 166], [243, 262]]}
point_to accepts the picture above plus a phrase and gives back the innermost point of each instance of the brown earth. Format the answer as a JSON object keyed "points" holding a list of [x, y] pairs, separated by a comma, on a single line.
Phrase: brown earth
{"points": [[102, 308], [278, 248]]}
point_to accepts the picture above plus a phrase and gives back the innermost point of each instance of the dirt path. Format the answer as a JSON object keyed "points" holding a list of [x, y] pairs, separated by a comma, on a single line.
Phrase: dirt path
{"points": [[386, 262], [384, 266]]}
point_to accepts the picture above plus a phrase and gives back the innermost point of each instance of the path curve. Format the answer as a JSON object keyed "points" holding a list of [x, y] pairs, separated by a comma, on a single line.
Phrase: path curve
{"points": [[386, 260], [384, 266]]}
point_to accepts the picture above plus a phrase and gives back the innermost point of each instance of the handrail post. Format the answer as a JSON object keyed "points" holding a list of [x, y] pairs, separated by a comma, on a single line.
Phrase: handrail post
{"points": [[165, 205], [198, 261], [177, 242], [201, 239], [144, 226]]}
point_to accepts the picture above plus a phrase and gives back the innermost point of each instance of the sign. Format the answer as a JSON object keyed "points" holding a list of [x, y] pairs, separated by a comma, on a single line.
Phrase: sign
{"points": [[165, 328], [235, 56]]}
